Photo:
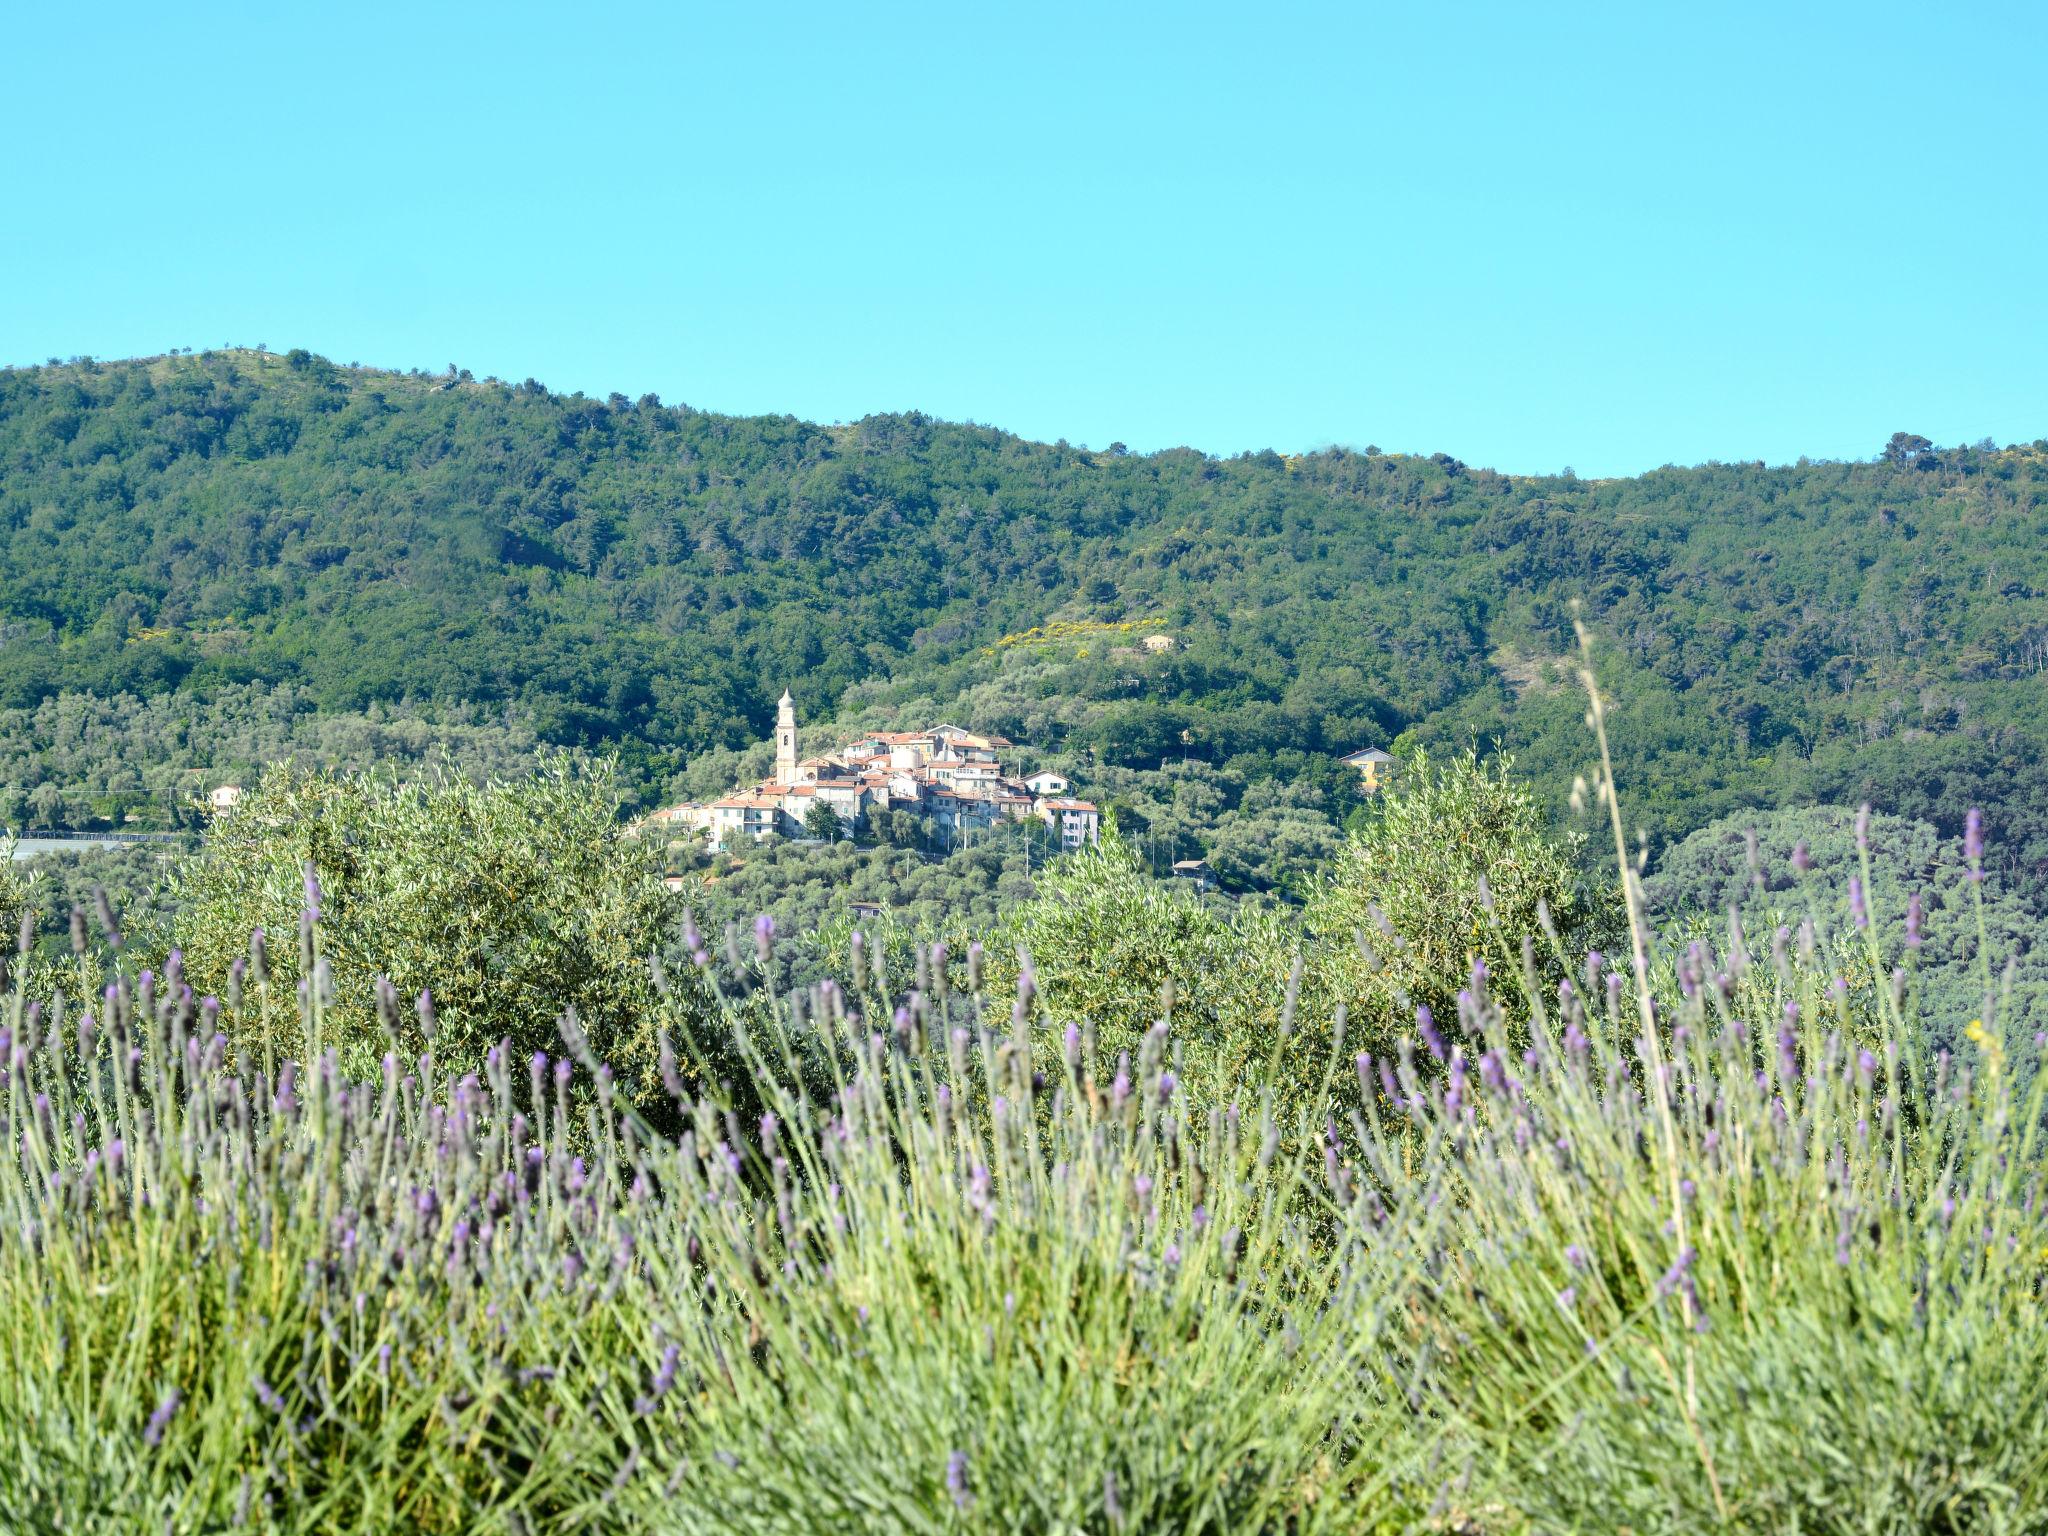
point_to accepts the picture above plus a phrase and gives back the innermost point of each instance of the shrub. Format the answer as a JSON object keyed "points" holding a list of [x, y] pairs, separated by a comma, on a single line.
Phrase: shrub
{"points": [[1752, 861], [1656, 1246], [1733, 1273], [510, 902], [1448, 867], [1117, 950]]}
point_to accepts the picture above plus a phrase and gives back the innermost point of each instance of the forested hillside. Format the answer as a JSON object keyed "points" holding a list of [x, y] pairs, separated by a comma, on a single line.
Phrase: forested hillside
{"points": [[645, 579]]}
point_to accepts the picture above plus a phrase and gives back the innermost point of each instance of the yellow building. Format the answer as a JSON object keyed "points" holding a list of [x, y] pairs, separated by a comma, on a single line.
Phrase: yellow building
{"points": [[1374, 768]]}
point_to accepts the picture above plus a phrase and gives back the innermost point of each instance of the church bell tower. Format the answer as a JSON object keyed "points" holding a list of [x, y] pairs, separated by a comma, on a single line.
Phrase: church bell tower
{"points": [[785, 739]]}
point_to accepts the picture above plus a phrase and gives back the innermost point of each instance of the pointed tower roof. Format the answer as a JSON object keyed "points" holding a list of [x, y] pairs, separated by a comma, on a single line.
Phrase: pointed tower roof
{"points": [[785, 699]]}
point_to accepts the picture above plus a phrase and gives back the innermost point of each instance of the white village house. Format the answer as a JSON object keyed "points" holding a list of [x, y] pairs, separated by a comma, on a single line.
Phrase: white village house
{"points": [[948, 776]]}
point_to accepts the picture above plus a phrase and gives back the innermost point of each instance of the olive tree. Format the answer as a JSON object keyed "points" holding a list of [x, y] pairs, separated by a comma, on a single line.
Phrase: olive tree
{"points": [[510, 902], [1450, 866]]}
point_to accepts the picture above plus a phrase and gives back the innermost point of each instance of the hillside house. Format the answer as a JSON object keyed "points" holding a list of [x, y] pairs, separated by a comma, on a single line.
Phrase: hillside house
{"points": [[1077, 822], [1374, 767], [676, 820]]}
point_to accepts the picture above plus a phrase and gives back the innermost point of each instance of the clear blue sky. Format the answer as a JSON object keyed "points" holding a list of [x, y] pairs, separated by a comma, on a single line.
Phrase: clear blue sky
{"points": [[1531, 235]]}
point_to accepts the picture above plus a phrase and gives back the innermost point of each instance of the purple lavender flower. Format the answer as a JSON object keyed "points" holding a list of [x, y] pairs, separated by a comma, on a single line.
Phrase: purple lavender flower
{"points": [[1568, 1298], [153, 1432], [1679, 1274], [956, 1480], [1575, 1256], [664, 1379], [1802, 859], [268, 1396], [1167, 1082], [1425, 1021], [1973, 842], [1859, 911], [1454, 1093], [1913, 920]]}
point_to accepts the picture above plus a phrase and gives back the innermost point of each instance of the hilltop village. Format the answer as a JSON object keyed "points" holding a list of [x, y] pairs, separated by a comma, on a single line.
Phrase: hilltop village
{"points": [[946, 776]]}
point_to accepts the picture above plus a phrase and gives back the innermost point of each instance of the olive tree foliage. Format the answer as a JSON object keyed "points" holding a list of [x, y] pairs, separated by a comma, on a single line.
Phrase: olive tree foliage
{"points": [[20, 888], [513, 902], [1451, 865], [1114, 950]]}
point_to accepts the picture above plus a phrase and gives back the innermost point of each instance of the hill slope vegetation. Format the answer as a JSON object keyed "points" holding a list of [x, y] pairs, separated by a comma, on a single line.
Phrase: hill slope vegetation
{"points": [[644, 579]]}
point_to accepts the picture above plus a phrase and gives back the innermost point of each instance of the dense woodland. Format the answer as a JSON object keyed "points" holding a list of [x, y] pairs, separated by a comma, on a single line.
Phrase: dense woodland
{"points": [[242, 536]]}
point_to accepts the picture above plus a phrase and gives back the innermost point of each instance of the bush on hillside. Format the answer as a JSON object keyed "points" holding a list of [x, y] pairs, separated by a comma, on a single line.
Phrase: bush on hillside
{"points": [[1117, 950], [509, 903], [1450, 866]]}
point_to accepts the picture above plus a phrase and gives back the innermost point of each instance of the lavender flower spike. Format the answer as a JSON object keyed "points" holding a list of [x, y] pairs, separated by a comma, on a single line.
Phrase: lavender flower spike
{"points": [[956, 1480], [1425, 1021], [153, 1432]]}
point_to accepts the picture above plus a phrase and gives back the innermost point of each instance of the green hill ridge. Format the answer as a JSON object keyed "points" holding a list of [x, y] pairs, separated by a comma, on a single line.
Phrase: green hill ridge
{"points": [[640, 578]]}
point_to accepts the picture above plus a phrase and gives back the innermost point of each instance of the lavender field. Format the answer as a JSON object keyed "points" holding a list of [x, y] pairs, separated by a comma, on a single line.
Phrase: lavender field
{"points": [[1700, 1235]]}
